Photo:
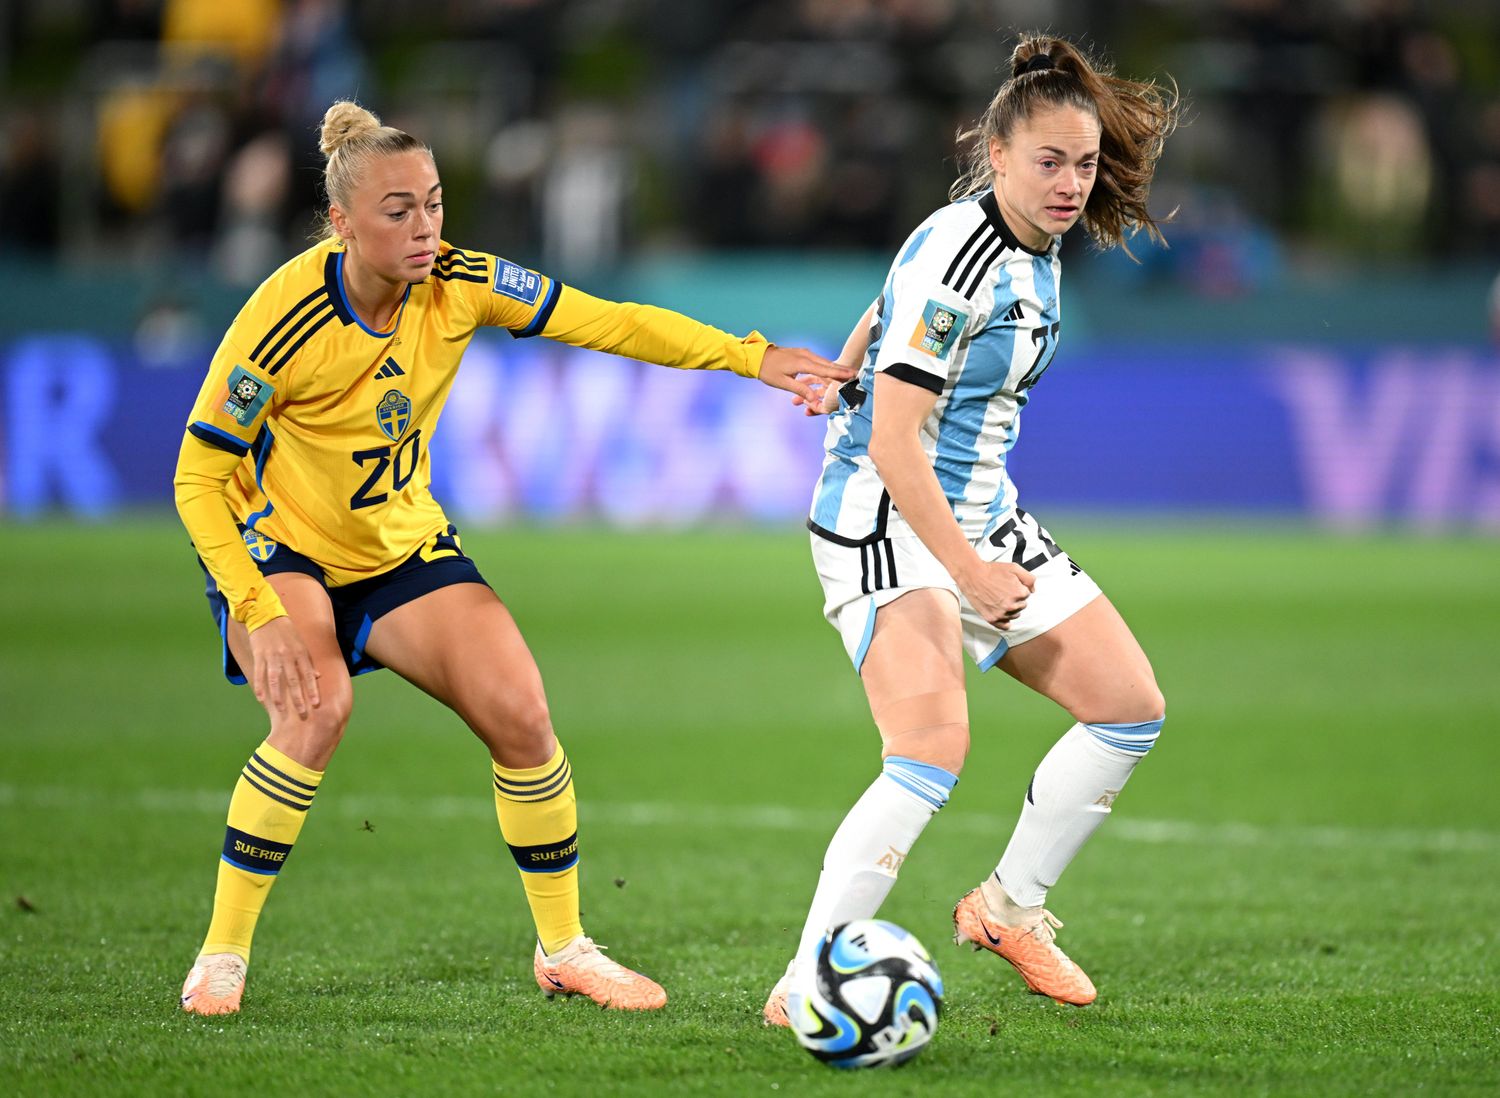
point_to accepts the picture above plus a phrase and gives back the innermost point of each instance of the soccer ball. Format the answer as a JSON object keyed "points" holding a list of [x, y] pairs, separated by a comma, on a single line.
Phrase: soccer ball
{"points": [[871, 999]]}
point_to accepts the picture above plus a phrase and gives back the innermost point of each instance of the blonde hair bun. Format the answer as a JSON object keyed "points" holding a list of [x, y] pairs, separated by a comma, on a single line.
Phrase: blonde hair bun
{"points": [[344, 122], [352, 138]]}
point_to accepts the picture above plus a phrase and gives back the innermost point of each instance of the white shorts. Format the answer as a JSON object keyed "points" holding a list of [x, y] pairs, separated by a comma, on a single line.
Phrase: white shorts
{"points": [[859, 579]]}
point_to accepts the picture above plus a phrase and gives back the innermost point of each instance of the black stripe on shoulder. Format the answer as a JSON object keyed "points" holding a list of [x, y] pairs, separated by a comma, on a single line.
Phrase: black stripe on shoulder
{"points": [[990, 237], [959, 258], [295, 347], [286, 319], [543, 314], [912, 375], [449, 260], [458, 276], [984, 268], [218, 440], [322, 309]]}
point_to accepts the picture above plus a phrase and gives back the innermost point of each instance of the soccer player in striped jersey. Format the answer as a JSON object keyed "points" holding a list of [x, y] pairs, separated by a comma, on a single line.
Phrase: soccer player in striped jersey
{"points": [[304, 478], [919, 542]]}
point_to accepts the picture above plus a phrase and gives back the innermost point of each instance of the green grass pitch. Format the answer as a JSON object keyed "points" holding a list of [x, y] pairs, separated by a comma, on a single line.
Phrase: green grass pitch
{"points": [[1299, 892]]}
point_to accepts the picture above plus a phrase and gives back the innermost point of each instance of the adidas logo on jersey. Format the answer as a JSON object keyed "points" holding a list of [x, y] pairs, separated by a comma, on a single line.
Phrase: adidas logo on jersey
{"points": [[1015, 312], [389, 369]]}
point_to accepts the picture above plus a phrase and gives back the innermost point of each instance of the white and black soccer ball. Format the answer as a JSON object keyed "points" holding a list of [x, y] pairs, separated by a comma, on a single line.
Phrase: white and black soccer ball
{"points": [[870, 999]]}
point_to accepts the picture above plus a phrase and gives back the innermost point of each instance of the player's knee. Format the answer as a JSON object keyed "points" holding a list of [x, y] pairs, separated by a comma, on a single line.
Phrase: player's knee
{"points": [[331, 716], [930, 728], [311, 740], [1148, 704], [1135, 705], [946, 746], [529, 719], [517, 728]]}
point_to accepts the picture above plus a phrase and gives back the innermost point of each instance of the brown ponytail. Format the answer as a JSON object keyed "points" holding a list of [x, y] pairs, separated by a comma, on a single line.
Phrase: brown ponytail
{"points": [[1135, 119]]}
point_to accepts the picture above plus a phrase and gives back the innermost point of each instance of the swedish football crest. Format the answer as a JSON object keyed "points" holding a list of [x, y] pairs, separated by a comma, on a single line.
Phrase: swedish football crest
{"points": [[261, 547], [247, 396], [393, 413], [937, 331]]}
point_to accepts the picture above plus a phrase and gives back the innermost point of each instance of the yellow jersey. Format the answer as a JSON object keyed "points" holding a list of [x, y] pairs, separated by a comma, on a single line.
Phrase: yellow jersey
{"points": [[314, 431]]}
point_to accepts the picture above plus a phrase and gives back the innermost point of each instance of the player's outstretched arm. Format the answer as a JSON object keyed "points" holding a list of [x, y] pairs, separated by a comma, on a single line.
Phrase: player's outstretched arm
{"points": [[652, 334], [855, 349], [808, 377]]}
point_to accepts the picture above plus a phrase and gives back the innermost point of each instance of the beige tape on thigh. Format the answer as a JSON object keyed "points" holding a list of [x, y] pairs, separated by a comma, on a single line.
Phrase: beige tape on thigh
{"points": [[941, 707]]}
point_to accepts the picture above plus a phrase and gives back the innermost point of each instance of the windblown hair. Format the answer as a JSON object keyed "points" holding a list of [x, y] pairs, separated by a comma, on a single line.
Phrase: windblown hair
{"points": [[351, 137], [1135, 119]]}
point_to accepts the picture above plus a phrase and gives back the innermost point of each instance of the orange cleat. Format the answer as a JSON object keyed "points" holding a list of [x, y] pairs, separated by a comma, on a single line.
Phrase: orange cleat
{"points": [[578, 968], [215, 984], [774, 1012], [1031, 950]]}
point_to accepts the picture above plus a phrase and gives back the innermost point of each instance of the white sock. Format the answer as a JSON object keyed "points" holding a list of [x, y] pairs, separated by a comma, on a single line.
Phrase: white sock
{"points": [[867, 850], [1069, 797]]}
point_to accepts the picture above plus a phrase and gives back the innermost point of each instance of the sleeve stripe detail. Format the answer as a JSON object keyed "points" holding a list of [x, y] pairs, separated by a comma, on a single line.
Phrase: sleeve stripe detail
{"points": [[984, 226], [458, 275], [449, 260], [290, 313], [223, 440], [984, 268], [295, 347], [912, 375], [275, 351], [543, 314], [984, 245]]}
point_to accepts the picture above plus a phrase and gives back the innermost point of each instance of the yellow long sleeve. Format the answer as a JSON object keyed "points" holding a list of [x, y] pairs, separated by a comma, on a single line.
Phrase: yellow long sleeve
{"points": [[198, 487], [651, 334]]}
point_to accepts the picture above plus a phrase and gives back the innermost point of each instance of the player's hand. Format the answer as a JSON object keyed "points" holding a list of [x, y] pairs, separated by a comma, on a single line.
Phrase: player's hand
{"points": [[998, 590], [284, 671], [827, 401], [787, 367]]}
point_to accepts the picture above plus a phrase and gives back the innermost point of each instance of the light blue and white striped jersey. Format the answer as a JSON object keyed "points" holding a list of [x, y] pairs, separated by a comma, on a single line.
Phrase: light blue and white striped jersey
{"points": [[971, 314]]}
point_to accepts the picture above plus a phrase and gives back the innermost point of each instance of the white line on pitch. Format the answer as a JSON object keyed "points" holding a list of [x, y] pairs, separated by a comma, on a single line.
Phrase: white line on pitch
{"points": [[764, 817]]}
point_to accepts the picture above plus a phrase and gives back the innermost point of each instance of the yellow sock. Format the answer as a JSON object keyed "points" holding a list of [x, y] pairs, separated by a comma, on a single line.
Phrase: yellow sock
{"points": [[270, 802], [539, 820]]}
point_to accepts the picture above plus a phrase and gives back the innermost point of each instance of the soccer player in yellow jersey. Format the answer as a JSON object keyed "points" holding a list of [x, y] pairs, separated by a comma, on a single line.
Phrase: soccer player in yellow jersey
{"points": [[304, 479]]}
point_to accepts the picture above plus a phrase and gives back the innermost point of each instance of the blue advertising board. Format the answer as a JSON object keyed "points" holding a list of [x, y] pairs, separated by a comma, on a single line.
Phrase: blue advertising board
{"points": [[1350, 436]]}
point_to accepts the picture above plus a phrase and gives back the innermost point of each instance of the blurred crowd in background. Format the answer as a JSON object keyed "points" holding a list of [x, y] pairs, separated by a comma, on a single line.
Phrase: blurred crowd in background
{"points": [[573, 134]]}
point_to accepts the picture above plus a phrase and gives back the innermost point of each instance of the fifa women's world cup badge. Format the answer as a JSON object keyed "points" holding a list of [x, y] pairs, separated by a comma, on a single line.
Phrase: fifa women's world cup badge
{"points": [[247, 396], [393, 413], [937, 331]]}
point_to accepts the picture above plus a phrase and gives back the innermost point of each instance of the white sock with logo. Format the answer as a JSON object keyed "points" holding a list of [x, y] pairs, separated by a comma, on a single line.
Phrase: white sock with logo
{"points": [[860, 867], [1070, 795]]}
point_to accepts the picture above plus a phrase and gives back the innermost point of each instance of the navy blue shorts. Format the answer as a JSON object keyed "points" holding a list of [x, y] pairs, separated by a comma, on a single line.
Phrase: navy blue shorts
{"points": [[356, 606]]}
